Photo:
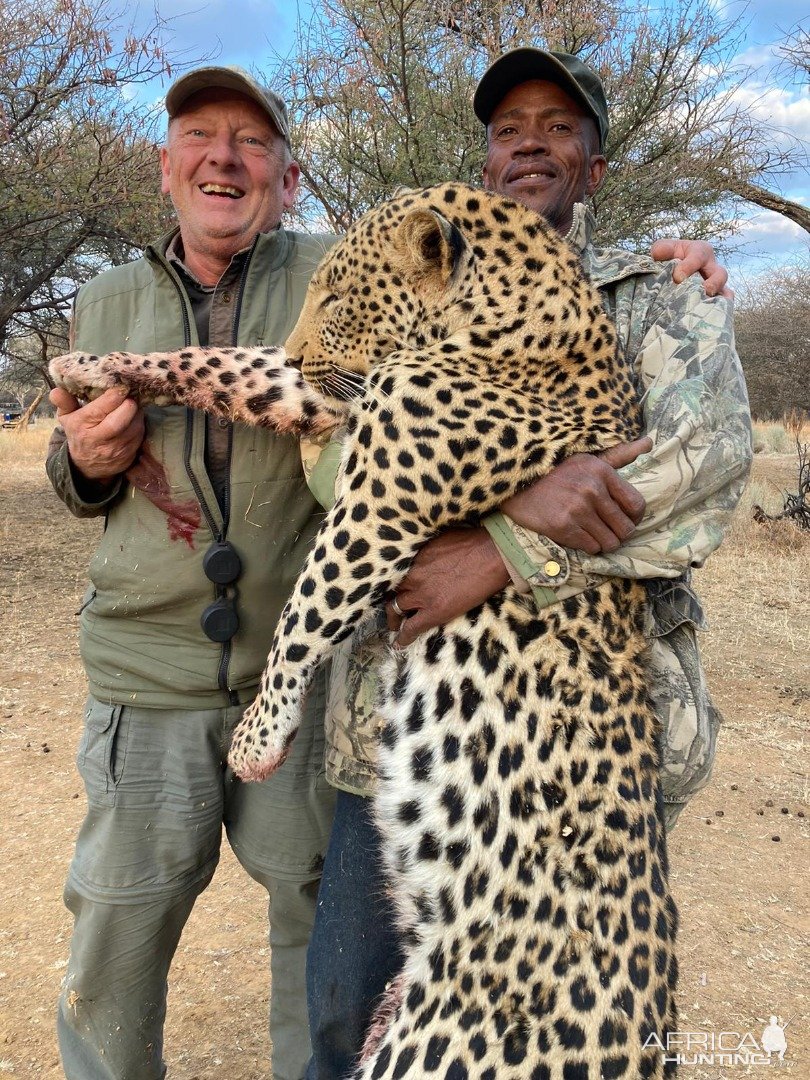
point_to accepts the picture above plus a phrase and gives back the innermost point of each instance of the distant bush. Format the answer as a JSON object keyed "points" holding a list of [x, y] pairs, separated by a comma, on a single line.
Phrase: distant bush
{"points": [[772, 325], [770, 437]]}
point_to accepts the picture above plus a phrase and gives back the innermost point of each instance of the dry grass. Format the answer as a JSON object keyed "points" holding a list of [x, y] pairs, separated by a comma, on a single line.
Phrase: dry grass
{"points": [[739, 862], [21, 448], [756, 585], [776, 437], [739, 858]]}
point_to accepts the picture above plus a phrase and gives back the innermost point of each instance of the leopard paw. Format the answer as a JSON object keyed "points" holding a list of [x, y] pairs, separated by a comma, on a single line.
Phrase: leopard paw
{"points": [[259, 748], [84, 375]]}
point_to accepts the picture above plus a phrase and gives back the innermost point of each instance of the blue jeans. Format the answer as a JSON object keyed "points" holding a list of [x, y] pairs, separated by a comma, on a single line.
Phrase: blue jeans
{"points": [[355, 950]]}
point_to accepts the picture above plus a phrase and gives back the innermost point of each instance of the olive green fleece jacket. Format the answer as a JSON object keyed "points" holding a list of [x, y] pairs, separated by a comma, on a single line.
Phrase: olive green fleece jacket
{"points": [[141, 639]]}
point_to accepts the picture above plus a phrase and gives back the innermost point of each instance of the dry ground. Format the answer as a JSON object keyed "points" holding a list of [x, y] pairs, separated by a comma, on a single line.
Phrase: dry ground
{"points": [[739, 855]]}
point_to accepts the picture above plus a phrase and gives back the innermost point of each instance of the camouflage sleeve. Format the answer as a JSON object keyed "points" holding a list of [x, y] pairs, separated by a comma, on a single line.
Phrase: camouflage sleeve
{"points": [[83, 498], [696, 411]]}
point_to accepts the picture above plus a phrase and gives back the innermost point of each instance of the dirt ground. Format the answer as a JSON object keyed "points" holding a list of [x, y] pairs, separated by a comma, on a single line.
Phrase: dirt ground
{"points": [[739, 855]]}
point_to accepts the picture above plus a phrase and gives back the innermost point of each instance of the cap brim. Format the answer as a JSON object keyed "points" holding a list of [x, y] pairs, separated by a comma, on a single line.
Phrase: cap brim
{"points": [[520, 66], [220, 78]]}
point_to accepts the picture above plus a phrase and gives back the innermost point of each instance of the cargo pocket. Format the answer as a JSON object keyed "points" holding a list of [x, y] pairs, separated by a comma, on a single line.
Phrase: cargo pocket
{"points": [[689, 719], [102, 752]]}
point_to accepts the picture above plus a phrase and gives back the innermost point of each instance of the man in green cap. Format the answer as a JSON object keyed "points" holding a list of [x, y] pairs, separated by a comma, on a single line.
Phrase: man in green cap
{"points": [[206, 526], [651, 509]]}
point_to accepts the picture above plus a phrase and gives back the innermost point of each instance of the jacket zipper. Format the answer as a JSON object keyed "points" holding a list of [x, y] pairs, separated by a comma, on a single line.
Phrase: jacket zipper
{"points": [[242, 279], [225, 656], [189, 436], [217, 534]]}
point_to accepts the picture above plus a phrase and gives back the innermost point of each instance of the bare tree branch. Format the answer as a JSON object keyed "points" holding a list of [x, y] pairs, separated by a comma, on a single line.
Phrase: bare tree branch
{"points": [[78, 157], [769, 200], [381, 95]]}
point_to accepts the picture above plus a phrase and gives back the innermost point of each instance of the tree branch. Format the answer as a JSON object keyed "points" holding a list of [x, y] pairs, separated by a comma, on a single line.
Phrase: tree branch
{"points": [[769, 200]]}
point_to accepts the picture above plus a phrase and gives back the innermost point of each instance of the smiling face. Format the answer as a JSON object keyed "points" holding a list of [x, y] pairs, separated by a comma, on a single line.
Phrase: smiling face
{"points": [[229, 175], [542, 150]]}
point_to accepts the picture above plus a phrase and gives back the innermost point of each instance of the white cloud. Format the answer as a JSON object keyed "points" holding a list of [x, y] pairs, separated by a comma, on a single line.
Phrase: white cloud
{"points": [[764, 240], [757, 57], [773, 227], [784, 109]]}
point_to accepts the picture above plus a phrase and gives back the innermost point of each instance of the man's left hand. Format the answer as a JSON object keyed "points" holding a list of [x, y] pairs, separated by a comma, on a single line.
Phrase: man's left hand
{"points": [[694, 257], [453, 573], [584, 503]]}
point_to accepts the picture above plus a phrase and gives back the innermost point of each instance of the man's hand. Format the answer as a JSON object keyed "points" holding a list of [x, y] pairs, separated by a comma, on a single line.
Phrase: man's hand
{"points": [[694, 257], [453, 573], [583, 503], [104, 435]]}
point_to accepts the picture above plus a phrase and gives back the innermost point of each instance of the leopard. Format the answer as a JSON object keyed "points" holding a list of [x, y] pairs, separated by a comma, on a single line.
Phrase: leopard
{"points": [[454, 339]]}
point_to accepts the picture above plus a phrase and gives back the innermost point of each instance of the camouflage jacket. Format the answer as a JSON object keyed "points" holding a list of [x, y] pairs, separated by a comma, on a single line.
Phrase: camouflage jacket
{"points": [[680, 344]]}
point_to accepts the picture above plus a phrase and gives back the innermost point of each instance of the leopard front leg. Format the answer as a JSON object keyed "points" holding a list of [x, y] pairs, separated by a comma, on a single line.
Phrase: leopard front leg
{"points": [[263, 738], [402, 481], [251, 385], [386, 510], [357, 559]]}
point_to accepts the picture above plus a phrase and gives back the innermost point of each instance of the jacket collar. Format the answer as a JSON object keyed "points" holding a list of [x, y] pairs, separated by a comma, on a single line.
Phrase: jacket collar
{"points": [[582, 226], [273, 248], [604, 266]]}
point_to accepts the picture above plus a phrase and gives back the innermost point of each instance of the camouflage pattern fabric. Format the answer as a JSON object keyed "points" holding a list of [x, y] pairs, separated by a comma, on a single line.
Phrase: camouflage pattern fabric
{"points": [[680, 344]]}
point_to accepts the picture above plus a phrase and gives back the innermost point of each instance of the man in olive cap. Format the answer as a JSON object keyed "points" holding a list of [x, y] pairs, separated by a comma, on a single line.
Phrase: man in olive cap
{"points": [[650, 509], [207, 524], [570, 99]]}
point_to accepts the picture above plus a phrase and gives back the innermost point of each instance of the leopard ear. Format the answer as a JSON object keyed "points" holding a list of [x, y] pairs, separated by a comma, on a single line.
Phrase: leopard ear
{"points": [[433, 247]]}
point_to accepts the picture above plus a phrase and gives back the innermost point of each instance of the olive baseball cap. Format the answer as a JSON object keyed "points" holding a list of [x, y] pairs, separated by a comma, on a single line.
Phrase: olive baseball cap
{"points": [[522, 65], [229, 78]]}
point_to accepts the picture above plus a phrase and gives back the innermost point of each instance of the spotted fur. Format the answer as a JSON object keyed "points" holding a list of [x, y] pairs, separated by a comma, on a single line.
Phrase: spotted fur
{"points": [[255, 385], [519, 794]]}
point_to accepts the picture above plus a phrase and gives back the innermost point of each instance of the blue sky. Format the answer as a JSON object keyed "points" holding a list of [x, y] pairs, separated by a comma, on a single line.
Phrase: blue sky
{"points": [[248, 32]]}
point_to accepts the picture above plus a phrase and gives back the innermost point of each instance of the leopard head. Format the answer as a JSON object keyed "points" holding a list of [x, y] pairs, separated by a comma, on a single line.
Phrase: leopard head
{"points": [[393, 283]]}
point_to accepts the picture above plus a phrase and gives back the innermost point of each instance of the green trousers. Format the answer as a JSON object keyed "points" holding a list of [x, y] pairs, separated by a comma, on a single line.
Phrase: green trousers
{"points": [[158, 795]]}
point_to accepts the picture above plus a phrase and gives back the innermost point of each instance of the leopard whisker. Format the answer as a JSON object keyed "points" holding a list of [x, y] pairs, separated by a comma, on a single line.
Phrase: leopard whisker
{"points": [[346, 386], [334, 389], [346, 376], [354, 392], [373, 394], [360, 385]]}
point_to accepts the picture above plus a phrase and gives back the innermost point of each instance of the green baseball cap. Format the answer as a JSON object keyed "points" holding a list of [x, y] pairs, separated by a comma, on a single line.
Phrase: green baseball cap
{"points": [[229, 78], [523, 65]]}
